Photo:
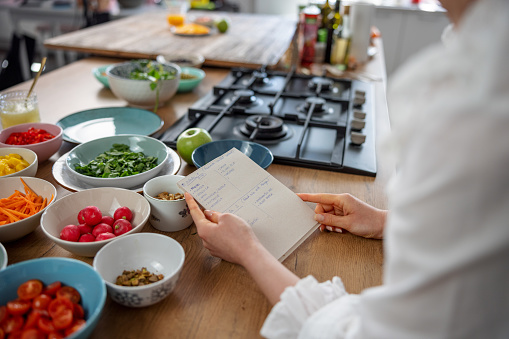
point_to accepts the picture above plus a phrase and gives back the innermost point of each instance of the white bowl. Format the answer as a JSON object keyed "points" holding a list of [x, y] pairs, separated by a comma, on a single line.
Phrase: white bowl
{"points": [[43, 149], [138, 92], [3, 257], [158, 253], [182, 59], [88, 151], [167, 215], [65, 210], [18, 229], [28, 155]]}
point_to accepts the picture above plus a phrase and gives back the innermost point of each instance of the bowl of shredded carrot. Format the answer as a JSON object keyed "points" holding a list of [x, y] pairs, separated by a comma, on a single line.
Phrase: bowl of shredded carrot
{"points": [[22, 202]]}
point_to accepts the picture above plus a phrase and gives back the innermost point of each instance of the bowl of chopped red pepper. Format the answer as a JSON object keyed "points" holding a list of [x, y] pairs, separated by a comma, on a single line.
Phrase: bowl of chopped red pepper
{"points": [[44, 139]]}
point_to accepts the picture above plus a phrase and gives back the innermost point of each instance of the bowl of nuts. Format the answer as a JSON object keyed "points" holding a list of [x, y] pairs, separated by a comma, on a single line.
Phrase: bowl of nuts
{"points": [[169, 211], [140, 269]]}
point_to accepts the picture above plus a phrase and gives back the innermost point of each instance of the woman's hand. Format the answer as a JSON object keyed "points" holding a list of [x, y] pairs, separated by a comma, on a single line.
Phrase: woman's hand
{"points": [[335, 212], [225, 235]]}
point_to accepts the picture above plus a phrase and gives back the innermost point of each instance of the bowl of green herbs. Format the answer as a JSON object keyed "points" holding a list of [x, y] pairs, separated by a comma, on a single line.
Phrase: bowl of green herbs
{"points": [[122, 161], [144, 83]]}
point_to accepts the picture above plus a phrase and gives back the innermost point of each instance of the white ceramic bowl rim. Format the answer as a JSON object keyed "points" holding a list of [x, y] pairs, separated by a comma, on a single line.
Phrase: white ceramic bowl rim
{"points": [[39, 125], [3, 263], [122, 70], [117, 179], [18, 150], [149, 286]]}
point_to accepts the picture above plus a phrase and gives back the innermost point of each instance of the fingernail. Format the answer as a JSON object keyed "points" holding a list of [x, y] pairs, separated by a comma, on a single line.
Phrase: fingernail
{"points": [[319, 217], [329, 228], [338, 229], [208, 213]]}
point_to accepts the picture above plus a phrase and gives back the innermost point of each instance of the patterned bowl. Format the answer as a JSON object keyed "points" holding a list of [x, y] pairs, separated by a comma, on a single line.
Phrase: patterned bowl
{"points": [[158, 253]]}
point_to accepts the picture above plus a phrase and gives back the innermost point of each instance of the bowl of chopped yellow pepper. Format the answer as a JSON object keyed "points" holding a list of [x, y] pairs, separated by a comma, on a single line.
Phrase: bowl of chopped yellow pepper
{"points": [[17, 162]]}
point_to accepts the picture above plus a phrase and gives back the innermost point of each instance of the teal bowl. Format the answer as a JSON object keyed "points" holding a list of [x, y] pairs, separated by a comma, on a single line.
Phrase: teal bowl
{"points": [[211, 150], [187, 85], [70, 272], [84, 153], [100, 74]]}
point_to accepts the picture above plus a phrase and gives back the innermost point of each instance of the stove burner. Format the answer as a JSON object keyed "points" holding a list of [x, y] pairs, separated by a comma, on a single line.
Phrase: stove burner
{"points": [[264, 127], [325, 84], [246, 96], [320, 106], [260, 78]]}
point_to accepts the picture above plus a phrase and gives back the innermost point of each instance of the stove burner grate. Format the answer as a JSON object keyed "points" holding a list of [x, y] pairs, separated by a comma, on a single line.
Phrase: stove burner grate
{"points": [[264, 127], [320, 106], [322, 84]]}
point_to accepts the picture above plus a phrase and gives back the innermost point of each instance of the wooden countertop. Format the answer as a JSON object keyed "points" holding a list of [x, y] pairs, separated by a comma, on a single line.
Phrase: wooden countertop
{"points": [[213, 298], [251, 40]]}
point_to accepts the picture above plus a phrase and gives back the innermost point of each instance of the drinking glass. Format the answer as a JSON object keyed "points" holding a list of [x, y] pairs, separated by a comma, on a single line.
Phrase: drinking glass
{"points": [[16, 108]]}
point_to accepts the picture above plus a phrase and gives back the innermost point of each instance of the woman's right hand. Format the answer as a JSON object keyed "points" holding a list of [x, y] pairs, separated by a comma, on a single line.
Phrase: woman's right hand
{"points": [[335, 212]]}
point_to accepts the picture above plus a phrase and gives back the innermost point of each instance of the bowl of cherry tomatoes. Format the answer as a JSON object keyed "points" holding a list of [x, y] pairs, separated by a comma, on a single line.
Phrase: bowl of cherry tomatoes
{"points": [[50, 298], [43, 138]]}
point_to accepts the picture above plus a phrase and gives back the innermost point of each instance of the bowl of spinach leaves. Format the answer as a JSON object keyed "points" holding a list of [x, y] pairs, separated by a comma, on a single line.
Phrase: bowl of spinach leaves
{"points": [[144, 83], [122, 161]]}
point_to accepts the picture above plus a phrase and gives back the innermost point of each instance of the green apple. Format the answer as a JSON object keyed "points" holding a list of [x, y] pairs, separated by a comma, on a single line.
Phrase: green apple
{"points": [[189, 140]]}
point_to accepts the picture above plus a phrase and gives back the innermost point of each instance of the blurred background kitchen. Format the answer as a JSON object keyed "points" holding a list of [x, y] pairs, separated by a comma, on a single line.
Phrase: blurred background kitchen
{"points": [[406, 26]]}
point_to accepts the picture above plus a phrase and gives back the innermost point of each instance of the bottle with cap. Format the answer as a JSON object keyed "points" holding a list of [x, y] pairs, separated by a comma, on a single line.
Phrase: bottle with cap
{"points": [[341, 41], [334, 23], [310, 32]]}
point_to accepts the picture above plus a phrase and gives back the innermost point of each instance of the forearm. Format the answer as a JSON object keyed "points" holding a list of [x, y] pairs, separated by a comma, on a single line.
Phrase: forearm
{"points": [[269, 274]]}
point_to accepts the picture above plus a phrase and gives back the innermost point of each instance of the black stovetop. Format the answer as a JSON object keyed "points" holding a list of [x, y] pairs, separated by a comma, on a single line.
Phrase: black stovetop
{"points": [[316, 122]]}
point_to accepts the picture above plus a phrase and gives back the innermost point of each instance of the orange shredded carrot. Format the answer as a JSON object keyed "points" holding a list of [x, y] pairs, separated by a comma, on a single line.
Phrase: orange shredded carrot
{"points": [[19, 206]]}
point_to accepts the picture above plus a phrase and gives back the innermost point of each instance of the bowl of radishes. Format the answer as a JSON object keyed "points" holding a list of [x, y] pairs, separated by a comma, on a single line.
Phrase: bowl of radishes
{"points": [[85, 221]]}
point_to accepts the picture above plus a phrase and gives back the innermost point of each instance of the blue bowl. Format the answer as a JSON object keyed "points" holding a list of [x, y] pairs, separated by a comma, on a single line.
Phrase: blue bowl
{"points": [[187, 85], [69, 272], [211, 150]]}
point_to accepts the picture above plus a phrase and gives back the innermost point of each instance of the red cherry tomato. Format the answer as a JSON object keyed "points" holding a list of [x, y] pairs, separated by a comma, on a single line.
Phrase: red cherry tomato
{"points": [[18, 307], [63, 319], [32, 333], [32, 136], [55, 335], [70, 293], [58, 305], [32, 320], [13, 324], [45, 325], [41, 302], [74, 327], [30, 289], [3, 313], [52, 288], [78, 312]]}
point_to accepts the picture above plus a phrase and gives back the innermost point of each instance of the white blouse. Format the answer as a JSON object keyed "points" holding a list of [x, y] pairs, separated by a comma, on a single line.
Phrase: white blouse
{"points": [[447, 236]]}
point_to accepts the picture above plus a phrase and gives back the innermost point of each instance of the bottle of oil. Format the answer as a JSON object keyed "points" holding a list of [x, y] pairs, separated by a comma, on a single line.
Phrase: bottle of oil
{"points": [[335, 21], [326, 10], [341, 42]]}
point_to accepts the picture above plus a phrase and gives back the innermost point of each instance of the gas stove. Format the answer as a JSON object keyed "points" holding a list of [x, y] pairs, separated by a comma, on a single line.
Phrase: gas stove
{"points": [[309, 121]]}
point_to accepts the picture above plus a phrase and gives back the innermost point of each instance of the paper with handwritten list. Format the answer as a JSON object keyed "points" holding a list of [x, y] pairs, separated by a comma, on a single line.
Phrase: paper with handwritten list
{"points": [[233, 183]]}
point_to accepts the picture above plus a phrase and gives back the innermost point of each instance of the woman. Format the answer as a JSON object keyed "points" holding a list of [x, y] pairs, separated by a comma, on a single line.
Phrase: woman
{"points": [[447, 234]]}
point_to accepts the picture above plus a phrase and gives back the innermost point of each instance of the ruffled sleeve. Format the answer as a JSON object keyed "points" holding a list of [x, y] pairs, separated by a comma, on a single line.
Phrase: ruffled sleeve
{"points": [[299, 304]]}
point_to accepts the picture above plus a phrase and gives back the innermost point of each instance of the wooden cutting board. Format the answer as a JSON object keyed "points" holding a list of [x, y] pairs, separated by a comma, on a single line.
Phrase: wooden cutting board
{"points": [[251, 40]]}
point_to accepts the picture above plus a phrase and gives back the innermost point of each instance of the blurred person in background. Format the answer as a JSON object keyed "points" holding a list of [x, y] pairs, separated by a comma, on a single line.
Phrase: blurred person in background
{"points": [[446, 234]]}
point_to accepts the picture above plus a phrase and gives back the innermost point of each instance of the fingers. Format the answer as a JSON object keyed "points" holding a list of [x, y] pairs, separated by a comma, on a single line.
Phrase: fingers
{"points": [[321, 198], [194, 209], [332, 220], [212, 216]]}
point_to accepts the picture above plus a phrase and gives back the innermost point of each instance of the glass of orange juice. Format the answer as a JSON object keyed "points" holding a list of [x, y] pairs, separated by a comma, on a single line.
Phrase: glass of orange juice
{"points": [[176, 12]]}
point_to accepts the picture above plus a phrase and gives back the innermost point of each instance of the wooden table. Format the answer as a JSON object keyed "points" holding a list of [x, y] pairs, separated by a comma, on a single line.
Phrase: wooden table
{"points": [[251, 40], [213, 298]]}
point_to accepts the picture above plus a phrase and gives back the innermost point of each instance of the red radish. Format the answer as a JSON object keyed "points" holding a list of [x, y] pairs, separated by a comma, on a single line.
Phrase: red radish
{"points": [[70, 233], [123, 213], [92, 215], [121, 226], [81, 218], [107, 220], [101, 228], [104, 236], [84, 228], [87, 237]]}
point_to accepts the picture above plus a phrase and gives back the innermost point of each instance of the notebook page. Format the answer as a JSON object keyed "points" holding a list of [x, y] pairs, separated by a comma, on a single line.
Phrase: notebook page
{"points": [[233, 183]]}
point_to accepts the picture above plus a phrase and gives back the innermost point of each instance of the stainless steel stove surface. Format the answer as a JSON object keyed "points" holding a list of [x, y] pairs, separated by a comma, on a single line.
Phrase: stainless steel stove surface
{"points": [[308, 121]]}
